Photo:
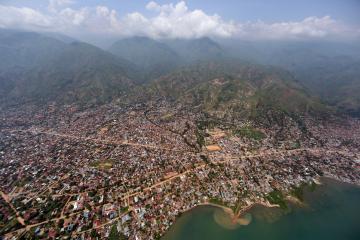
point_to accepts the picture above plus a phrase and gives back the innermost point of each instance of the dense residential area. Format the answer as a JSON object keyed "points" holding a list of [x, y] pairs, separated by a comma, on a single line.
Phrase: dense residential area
{"points": [[83, 173], [179, 120]]}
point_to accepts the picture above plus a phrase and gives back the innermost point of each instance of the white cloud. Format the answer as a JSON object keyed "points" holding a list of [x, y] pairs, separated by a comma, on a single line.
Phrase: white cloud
{"points": [[153, 6], [73, 18], [177, 21], [102, 11], [14, 17], [311, 27], [167, 21], [54, 5]]}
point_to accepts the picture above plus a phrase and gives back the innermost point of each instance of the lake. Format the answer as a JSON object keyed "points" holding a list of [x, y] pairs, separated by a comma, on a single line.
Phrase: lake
{"points": [[331, 211]]}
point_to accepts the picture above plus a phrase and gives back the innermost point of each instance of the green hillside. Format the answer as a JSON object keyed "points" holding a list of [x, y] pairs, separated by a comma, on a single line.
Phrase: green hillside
{"points": [[153, 57], [235, 89], [79, 73]]}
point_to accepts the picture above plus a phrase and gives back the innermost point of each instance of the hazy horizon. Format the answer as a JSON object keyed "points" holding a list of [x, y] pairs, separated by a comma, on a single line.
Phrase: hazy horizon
{"points": [[101, 22]]}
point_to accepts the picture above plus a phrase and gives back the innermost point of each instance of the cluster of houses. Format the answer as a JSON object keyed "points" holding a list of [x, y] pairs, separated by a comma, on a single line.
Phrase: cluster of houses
{"points": [[74, 173]]}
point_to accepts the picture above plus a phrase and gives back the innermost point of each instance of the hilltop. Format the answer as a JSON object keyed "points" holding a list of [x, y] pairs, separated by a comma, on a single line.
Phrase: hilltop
{"points": [[233, 89]]}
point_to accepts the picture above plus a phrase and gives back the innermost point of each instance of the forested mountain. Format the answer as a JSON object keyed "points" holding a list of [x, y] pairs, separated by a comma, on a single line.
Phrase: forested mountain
{"points": [[24, 50], [153, 57], [157, 58], [330, 70], [200, 49], [235, 89], [39, 69]]}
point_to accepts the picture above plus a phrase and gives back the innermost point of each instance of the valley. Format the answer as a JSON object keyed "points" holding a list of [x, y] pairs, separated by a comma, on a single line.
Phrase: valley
{"points": [[118, 143]]}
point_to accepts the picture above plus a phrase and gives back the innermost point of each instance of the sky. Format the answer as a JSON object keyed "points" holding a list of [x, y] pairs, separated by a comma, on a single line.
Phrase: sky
{"points": [[161, 19]]}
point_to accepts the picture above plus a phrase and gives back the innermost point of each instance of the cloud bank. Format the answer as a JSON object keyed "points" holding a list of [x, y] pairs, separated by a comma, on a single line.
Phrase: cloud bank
{"points": [[167, 21]]}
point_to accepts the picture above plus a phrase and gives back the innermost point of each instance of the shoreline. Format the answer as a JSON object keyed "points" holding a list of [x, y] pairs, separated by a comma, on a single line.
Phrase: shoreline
{"points": [[261, 203], [231, 219], [318, 181], [236, 217], [227, 210], [218, 219]]}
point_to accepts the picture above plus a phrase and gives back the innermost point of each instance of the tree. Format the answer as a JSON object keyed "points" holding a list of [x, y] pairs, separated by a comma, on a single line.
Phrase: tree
{"points": [[61, 223], [94, 234], [114, 234]]}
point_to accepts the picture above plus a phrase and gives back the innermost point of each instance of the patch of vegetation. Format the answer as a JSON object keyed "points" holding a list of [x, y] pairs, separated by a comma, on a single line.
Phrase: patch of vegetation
{"points": [[205, 159], [219, 202], [228, 92], [298, 192], [167, 117], [94, 234], [10, 225], [200, 139], [249, 132], [207, 124], [124, 209], [216, 201], [300, 122], [114, 234], [296, 145], [276, 197], [102, 164]]}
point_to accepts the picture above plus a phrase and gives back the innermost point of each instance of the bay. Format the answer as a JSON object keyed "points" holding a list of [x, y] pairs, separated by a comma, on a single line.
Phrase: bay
{"points": [[331, 212]]}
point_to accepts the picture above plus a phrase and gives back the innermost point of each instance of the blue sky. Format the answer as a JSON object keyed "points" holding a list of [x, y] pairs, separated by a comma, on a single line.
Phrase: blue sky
{"points": [[278, 10], [239, 10], [188, 19]]}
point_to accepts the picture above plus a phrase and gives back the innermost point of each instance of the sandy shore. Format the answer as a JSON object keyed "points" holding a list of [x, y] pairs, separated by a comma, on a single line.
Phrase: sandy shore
{"points": [[247, 208], [231, 220]]}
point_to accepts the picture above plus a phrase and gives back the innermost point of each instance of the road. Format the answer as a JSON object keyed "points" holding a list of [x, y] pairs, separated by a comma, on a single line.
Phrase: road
{"points": [[90, 139], [226, 158], [7, 200]]}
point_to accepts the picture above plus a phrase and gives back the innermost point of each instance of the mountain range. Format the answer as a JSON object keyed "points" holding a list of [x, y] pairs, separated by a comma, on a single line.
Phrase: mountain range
{"points": [[227, 78], [330, 70], [230, 89], [39, 69]]}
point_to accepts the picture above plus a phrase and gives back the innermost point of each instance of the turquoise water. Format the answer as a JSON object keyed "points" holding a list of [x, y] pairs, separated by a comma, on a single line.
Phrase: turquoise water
{"points": [[332, 211]]}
